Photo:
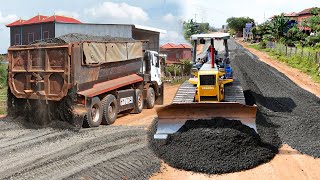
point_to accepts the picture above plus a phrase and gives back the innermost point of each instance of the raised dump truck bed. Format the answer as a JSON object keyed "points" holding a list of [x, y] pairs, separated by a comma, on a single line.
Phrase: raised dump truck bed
{"points": [[107, 76]]}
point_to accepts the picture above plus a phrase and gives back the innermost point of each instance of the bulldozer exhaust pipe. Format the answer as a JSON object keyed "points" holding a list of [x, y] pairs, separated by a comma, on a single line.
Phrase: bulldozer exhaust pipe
{"points": [[172, 117]]}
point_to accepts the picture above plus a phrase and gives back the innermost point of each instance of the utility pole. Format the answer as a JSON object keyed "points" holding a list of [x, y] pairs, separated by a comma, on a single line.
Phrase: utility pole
{"points": [[195, 17]]}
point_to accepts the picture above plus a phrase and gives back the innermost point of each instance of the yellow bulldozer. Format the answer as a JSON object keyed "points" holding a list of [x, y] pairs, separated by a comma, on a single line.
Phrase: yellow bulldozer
{"points": [[212, 92]]}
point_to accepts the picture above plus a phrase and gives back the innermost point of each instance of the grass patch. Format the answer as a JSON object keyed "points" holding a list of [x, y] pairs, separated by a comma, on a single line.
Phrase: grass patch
{"points": [[3, 99], [3, 88], [296, 61], [3, 75]]}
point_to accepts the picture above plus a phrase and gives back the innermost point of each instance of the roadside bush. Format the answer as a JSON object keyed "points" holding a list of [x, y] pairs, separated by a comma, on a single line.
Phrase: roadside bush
{"points": [[296, 61], [187, 66], [313, 40], [170, 70], [3, 76], [263, 44]]}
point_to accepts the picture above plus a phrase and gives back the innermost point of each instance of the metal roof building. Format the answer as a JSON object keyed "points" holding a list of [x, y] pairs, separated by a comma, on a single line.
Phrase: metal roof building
{"points": [[40, 27]]}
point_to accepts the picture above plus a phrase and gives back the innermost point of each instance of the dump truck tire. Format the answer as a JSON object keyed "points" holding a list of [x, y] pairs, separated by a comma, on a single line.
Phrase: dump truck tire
{"points": [[139, 102], [151, 97], [93, 117], [110, 109]]}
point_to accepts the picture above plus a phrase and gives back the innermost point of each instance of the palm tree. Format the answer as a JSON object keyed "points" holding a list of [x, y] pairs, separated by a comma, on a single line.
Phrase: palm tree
{"points": [[280, 25]]}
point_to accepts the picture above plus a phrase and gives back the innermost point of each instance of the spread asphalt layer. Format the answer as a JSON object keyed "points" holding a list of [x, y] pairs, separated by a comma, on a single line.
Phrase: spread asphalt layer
{"points": [[287, 114], [294, 112], [215, 146]]}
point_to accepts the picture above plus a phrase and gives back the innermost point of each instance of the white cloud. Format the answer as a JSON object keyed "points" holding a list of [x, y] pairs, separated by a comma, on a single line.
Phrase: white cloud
{"points": [[169, 17], [263, 9], [172, 37], [67, 13], [118, 12], [8, 18]]}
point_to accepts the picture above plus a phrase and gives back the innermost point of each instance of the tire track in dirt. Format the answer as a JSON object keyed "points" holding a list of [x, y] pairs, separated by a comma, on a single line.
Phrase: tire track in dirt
{"points": [[69, 165], [56, 154]]}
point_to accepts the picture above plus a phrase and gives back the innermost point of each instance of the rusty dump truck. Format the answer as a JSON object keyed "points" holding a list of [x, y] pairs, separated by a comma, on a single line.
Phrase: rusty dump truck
{"points": [[86, 83]]}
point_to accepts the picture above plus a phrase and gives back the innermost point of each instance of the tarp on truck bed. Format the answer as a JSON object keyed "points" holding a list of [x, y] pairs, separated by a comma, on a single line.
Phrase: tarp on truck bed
{"points": [[106, 52]]}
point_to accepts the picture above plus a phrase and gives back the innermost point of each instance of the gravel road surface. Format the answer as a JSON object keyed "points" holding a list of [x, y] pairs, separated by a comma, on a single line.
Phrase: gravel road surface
{"points": [[107, 152], [294, 112]]}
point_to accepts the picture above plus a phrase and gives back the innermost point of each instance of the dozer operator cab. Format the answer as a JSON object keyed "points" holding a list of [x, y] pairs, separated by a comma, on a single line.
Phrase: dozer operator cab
{"points": [[212, 49]]}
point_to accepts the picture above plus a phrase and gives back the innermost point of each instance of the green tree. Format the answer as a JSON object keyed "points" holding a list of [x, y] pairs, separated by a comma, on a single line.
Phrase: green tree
{"points": [[295, 36], [238, 23], [190, 28], [187, 66], [313, 22], [3, 75], [279, 25]]}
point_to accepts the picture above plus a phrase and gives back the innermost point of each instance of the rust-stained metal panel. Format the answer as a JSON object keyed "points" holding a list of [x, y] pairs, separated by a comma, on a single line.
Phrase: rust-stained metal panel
{"points": [[103, 87], [48, 71], [39, 72]]}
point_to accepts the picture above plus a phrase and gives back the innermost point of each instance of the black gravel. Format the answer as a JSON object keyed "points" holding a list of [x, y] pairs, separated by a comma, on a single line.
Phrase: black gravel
{"points": [[294, 111], [76, 37], [218, 146]]}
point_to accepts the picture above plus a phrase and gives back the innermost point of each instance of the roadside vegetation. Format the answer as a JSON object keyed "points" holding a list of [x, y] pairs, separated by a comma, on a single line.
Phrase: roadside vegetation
{"points": [[282, 32], [303, 63], [3, 76], [3, 87], [191, 27], [178, 73]]}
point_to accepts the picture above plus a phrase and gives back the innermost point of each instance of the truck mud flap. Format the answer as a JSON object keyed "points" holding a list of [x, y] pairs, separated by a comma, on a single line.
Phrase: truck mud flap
{"points": [[78, 113], [159, 100], [172, 117]]}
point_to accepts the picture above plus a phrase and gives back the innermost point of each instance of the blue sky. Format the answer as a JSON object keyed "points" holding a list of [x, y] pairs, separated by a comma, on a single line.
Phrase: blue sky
{"points": [[163, 14]]}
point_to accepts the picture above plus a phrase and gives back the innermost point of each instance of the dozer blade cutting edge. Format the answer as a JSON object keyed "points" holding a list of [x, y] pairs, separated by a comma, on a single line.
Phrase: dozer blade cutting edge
{"points": [[172, 117]]}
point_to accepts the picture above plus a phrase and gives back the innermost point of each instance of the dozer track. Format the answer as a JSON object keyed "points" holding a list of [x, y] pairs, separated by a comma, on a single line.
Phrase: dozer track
{"points": [[185, 93], [233, 92]]}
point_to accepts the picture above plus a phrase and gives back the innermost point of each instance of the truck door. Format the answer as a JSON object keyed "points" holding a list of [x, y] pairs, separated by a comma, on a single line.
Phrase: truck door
{"points": [[155, 68]]}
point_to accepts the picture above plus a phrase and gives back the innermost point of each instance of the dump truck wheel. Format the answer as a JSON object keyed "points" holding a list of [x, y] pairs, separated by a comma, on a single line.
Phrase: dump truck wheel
{"points": [[110, 109], [93, 117], [139, 102], [151, 97]]}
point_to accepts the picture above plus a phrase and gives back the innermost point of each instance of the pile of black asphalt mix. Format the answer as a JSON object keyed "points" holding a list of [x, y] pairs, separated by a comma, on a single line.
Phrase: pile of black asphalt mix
{"points": [[217, 146], [76, 37], [294, 112], [287, 114]]}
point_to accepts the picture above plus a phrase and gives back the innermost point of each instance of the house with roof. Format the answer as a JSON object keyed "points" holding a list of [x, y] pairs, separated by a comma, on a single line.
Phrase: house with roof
{"points": [[306, 13], [176, 52], [39, 27], [23, 32], [292, 16], [298, 18]]}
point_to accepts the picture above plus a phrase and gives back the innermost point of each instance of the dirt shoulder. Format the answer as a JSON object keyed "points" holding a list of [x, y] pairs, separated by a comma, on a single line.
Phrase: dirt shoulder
{"points": [[295, 75], [287, 164]]}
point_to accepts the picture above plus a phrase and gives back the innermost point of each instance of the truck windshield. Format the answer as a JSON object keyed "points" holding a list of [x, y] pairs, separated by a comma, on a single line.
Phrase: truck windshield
{"points": [[207, 79]]}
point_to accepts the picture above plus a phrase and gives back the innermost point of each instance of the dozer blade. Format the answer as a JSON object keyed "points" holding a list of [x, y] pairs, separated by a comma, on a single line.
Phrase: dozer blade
{"points": [[172, 117]]}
